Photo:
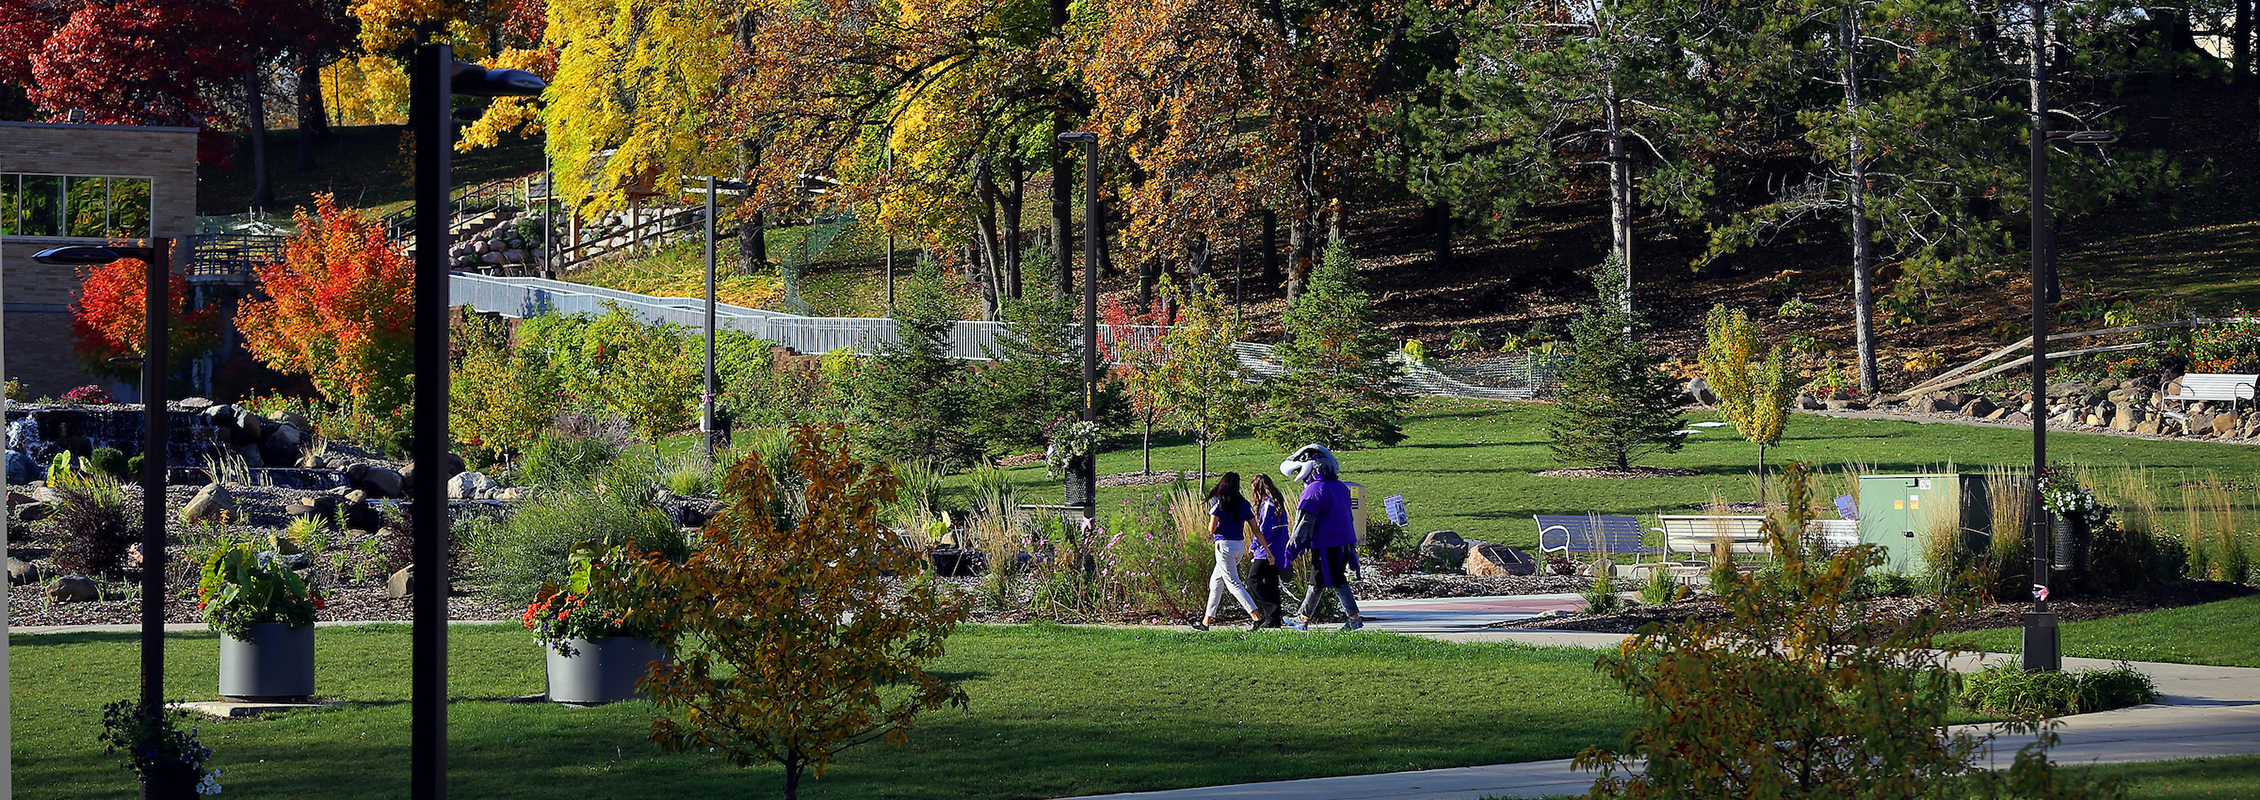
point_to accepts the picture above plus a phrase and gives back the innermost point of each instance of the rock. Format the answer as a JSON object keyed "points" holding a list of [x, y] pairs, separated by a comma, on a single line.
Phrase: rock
{"points": [[322, 507], [284, 434], [2147, 427], [1807, 402], [1961, 399], [2126, 418], [355, 496], [1699, 390], [21, 572], [22, 468], [402, 583], [508, 495], [1934, 405], [223, 415], [2225, 424], [72, 588], [33, 512], [213, 502], [251, 427], [379, 481], [195, 404], [312, 461], [293, 419], [1443, 548], [252, 457], [1846, 405], [1998, 413], [490, 257], [2199, 420], [2017, 418], [2121, 395], [1495, 560], [361, 516], [469, 486], [1979, 407], [290, 561]]}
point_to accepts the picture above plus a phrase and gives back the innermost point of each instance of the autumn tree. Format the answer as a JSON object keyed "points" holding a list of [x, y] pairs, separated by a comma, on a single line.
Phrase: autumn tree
{"points": [[1753, 394], [136, 62], [108, 320], [1617, 402], [1339, 387], [1197, 384], [503, 396], [804, 641], [1131, 345], [333, 311]]}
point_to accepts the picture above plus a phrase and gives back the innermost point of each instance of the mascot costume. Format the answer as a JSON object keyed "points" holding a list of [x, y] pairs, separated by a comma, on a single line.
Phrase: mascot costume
{"points": [[1325, 529]]}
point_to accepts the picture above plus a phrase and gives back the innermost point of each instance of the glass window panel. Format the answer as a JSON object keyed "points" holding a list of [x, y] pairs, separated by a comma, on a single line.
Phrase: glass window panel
{"points": [[129, 208], [88, 206], [42, 205], [8, 209]]}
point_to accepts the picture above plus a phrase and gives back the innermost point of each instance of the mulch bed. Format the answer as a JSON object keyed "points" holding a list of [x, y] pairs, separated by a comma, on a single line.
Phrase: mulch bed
{"points": [[1610, 472], [1155, 478], [28, 605], [1997, 615]]}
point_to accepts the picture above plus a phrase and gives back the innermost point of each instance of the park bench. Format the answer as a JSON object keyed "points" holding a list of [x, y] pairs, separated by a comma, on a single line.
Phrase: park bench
{"points": [[1836, 534], [2214, 386], [1592, 535], [1700, 536]]}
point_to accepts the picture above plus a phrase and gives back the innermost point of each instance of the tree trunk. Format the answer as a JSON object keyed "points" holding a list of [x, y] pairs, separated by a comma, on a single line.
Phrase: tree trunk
{"points": [[255, 95], [1271, 276], [2162, 78], [1146, 447], [986, 256], [794, 763], [310, 121], [1063, 209], [1440, 232], [1300, 234], [753, 237], [1016, 175], [1863, 248], [1761, 477], [1204, 456], [1620, 192], [2240, 34]]}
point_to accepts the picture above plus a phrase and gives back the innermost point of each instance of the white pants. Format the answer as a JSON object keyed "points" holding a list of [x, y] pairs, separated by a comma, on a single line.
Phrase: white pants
{"points": [[1227, 576]]}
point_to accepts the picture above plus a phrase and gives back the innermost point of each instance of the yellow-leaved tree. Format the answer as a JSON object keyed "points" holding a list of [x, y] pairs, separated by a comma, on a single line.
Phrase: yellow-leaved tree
{"points": [[797, 647], [1754, 395]]}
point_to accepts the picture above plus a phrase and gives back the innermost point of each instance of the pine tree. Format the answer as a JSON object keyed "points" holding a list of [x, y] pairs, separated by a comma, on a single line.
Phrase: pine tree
{"points": [[1035, 376], [1340, 388], [1617, 402], [912, 399]]}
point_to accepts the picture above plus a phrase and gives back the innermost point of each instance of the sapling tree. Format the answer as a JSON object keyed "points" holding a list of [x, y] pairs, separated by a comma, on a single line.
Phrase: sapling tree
{"points": [[1617, 402], [1197, 385], [1340, 389], [1754, 395], [803, 641]]}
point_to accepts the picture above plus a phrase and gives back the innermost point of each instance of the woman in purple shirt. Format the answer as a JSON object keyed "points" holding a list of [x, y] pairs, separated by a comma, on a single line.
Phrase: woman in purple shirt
{"points": [[1269, 550], [1229, 520]]}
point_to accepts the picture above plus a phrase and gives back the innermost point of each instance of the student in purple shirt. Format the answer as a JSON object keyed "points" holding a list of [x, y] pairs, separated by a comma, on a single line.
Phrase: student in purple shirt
{"points": [[1269, 550], [1230, 519], [1325, 528]]}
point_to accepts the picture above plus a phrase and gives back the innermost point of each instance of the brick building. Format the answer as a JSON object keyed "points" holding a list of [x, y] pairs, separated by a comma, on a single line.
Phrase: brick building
{"points": [[66, 184]]}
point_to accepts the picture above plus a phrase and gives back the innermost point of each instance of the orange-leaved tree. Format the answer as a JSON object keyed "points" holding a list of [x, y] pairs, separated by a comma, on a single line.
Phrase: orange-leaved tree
{"points": [[109, 319], [339, 310], [797, 647]]}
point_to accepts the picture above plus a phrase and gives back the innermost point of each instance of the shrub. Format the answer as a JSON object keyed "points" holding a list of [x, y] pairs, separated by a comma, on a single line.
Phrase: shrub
{"points": [[503, 396], [2009, 689], [563, 459], [108, 320], [108, 461], [333, 313], [88, 395], [96, 525], [536, 545]]}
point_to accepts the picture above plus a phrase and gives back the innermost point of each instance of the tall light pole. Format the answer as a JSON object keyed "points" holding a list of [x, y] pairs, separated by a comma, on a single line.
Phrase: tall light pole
{"points": [[437, 78], [156, 345], [1094, 235], [706, 417]]}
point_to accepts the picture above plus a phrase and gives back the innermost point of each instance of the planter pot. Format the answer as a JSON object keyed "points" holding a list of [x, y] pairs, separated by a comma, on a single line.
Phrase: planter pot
{"points": [[169, 782], [600, 671], [274, 663], [2072, 536], [957, 563]]}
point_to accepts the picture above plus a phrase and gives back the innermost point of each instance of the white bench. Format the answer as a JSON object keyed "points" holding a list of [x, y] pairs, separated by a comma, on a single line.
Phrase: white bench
{"points": [[2214, 386], [1701, 536], [1835, 534]]}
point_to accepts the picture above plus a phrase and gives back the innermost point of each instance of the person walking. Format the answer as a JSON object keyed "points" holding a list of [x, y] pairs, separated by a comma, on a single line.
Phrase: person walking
{"points": [[1326, 528], [1269, 551], [1230, 518]]}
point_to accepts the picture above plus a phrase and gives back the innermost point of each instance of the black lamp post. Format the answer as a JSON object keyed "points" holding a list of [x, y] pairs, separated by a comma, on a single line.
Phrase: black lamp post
{"points": [[1094, 235], [156, 343], [437, 78]]}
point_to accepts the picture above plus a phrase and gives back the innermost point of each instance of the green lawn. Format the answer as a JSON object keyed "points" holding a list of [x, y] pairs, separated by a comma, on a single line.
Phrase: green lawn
{"points": [[1467, 465], [1055, 711], [2226, 778], [2224, 634]]}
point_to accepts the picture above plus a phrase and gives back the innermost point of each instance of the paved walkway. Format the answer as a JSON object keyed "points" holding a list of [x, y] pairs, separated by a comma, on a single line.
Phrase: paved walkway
{"points": [[2201, 711]]}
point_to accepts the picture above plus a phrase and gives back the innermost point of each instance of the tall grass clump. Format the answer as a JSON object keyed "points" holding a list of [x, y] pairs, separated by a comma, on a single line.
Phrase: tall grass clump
{"points": [[2009, 493], [558, 458], [535, 545], [96, 523]]}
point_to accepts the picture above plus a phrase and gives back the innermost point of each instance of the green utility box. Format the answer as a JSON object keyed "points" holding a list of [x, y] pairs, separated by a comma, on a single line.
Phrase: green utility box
{"points": [[1896, 511]]}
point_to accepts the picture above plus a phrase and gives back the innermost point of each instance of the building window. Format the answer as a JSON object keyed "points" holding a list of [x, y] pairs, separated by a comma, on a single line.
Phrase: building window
{"points": [[87, 206]]}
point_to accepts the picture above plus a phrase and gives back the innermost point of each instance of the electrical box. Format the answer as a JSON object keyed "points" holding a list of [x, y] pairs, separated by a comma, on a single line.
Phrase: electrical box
{"points": [[1898, 512], [1357, 509]]}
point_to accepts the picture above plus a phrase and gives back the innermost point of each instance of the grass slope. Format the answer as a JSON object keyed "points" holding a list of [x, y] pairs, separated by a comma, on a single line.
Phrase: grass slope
{"points": [[2226, 634], [1054, 711], [1468, 465]]}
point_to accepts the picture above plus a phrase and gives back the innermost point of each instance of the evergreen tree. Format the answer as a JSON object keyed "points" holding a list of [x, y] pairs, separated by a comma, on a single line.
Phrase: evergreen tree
{"points": [[1340, 388], [911, 399], [1035, 376], [1617, 402]]}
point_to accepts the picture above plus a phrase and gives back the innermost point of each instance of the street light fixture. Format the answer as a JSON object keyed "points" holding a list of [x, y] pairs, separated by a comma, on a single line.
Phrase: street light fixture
{"points": [[437, 78], [1094, 233], [156, 344]]}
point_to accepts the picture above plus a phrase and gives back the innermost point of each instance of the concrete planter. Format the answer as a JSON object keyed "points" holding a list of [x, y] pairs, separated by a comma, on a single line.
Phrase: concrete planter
{"points": [[274, 663], [600, 671]]}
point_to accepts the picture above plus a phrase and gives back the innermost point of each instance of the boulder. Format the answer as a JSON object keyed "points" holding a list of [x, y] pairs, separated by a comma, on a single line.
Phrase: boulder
{"points": [[252, 457], [1491, 560], [1443, 548], [21, 572], [322, 507], [73, 588], [2016, 418], [379, 481], [1806, 402], [355, 495], [1846, 405], [360, 516], [213, 502], [251, 427], [2200, 421], [469, 486], [32, 512], [293, 419], [1934, 405], [284, 434], [1699, 390], [194, 403], [22, 468], [1979, 407], [2147, 427], [402, 583], [2225, 424], [1998, 413]]}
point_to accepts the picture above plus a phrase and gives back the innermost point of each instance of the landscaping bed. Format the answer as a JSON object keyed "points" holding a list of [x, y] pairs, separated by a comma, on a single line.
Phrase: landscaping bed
{"points": [[1995, 615]]}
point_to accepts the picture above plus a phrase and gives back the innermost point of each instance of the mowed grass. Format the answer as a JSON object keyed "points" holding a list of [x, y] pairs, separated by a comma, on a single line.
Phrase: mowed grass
{"points": [[1054, 711], [1468, 465], [2224, 634], [2225, 778]]}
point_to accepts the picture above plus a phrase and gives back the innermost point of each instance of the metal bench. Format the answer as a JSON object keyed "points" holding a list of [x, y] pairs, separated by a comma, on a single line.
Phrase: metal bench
{"points": [[1592, 535], [1702, 536], [2215, 386], [1835, 534]]}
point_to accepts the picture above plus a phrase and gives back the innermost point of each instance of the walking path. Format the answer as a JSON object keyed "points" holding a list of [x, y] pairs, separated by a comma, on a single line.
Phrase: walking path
{"points": [[2201, 712]]}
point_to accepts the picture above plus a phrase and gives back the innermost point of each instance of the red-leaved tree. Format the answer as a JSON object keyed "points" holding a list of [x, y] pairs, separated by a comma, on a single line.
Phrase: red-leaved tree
{"points": [[339, 311], [108, 320]]}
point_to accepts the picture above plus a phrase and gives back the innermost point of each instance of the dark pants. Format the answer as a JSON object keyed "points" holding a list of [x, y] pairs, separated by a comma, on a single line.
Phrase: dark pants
{"points": [[1328, 572], [1263, 582]]}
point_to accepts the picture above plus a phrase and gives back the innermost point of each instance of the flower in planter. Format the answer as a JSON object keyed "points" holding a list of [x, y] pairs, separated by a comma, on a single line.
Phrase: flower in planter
{"points": [[155, 747], [580, 609], [1071, 440], [2063, 496], [243, 586]]}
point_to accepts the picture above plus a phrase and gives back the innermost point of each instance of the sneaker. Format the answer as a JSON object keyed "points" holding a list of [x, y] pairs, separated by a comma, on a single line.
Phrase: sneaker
{"points": [[1353, 625], [1255, 625], [1298, 625], [1200, 626]]}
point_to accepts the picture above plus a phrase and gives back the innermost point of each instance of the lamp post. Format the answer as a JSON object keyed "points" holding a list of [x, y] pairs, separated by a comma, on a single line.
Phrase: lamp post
{"points": [[1094, 232], [156, 344], [706, 412], [437, 78]]}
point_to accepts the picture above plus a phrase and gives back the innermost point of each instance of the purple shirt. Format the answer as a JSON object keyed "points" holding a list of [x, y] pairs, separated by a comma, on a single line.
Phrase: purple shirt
{"points": [[1329, 498], [1273, 522], [1231, 519]]}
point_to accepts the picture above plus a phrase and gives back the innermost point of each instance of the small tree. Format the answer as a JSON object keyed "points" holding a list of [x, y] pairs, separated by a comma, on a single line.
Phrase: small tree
{"points": [[1617, 402], [911, 398], [1340, 389], [647, 374], [109, 320], [503, 396], [1753, 395], [1132, 345], [1197, 385], [335, 311], [801, 643], [1035, 376]]}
